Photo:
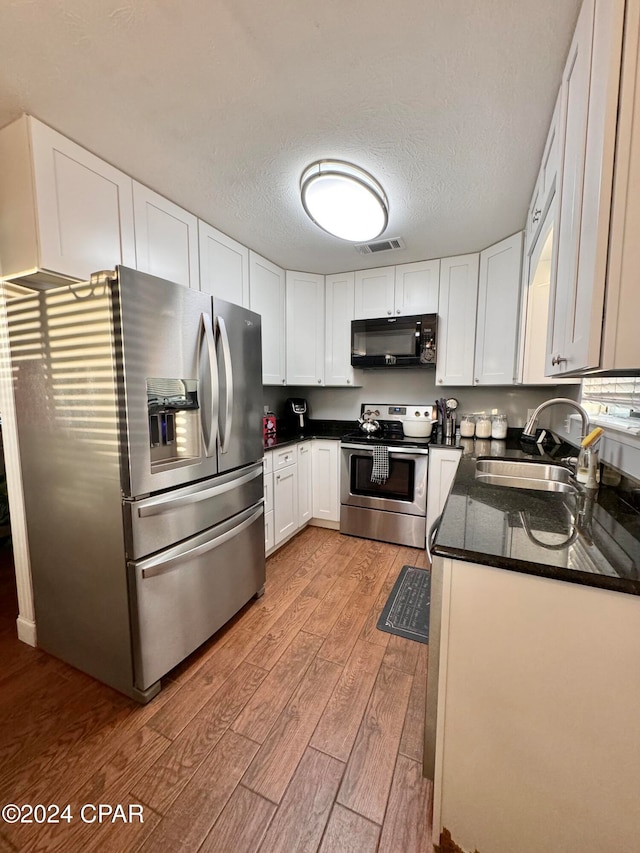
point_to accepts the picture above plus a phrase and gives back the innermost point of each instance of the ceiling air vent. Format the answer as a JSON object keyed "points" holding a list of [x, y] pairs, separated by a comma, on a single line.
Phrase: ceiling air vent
{"points": [[380, 246]]}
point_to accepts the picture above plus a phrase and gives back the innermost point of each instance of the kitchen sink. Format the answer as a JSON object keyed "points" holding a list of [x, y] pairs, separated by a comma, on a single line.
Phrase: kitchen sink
{"points": [[541, 476]]}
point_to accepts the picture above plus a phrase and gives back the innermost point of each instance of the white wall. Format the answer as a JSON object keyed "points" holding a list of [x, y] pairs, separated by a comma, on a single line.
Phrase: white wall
{"points": [[409, 386]]}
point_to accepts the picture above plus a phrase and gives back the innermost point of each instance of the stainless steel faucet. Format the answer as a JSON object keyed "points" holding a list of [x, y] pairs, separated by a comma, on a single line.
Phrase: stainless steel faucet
{"points": [[530, 426]]}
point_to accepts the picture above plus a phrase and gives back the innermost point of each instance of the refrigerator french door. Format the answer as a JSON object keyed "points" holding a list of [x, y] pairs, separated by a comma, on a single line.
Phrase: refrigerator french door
{"points": [[139, 421]]}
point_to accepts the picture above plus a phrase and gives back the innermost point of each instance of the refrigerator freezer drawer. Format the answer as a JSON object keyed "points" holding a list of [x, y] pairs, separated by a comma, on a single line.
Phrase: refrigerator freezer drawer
{"points": [[155, 523], [185, 594]]}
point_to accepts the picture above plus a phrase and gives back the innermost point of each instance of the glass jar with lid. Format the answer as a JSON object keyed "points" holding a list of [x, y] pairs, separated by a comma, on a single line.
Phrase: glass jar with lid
{"points": [[483, 426], [467, 426], [499, 426]]}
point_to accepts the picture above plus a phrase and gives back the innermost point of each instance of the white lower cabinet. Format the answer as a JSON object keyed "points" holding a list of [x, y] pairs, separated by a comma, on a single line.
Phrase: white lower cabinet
{"points": [[443, 464], [326, 480], [305, 485], [301, 485], [269, 540], [285, 502], [521, 689], [269, 537]]}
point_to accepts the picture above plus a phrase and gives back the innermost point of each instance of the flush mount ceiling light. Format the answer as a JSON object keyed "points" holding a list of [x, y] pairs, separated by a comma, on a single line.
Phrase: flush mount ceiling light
{"points": [[344, 200]]}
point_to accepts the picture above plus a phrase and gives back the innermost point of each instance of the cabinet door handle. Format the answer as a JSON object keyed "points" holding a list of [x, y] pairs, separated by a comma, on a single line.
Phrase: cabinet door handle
{"points": [[388, 312], [558, 360], [397, 310]]}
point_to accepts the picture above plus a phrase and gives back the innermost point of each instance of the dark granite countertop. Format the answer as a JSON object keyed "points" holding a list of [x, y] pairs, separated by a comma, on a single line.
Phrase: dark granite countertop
{"points": [[333, 430], [591, 538]]}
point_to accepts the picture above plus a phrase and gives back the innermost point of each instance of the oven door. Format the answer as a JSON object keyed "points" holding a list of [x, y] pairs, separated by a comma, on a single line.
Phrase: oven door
{"points": [[405, 490]]}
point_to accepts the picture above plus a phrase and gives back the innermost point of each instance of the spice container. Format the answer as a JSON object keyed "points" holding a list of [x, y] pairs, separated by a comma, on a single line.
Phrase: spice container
{"points": [[499, 426], [467, 426], [483, 426]]}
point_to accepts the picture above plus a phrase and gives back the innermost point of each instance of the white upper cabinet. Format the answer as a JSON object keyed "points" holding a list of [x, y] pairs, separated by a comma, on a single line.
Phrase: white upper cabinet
{"points": [[63, 211], [535, 307], [621, 348], [339, 306], [416, 288], [267, 298], [588, 117], [457, 306], [305, 328], [404, 290], [374, 293], [498, 313], [224, 266], [545, 187], [166, 238]]}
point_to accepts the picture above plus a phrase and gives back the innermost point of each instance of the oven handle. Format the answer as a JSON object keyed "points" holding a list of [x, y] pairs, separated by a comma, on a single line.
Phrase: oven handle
{"points": [[433, 532], [405, 451]]}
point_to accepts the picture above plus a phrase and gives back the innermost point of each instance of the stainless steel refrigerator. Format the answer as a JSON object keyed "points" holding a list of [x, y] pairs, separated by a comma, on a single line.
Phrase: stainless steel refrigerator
{"points": [[139, 406]]}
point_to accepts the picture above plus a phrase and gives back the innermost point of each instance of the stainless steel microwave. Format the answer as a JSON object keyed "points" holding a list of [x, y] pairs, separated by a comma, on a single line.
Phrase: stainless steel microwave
{"points": [[394, 341]]}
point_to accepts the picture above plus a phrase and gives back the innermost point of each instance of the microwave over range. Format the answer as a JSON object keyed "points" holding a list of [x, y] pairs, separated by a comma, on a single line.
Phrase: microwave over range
{"points": [[394, 341]]}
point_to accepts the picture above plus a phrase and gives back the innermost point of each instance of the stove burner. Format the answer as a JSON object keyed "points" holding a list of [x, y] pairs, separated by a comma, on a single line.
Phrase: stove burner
{"points": [[391, 432], [391, 437]]}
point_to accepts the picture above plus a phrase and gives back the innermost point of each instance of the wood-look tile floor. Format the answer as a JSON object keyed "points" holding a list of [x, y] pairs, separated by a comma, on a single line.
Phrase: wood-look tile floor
{"points": [[298, 727]]}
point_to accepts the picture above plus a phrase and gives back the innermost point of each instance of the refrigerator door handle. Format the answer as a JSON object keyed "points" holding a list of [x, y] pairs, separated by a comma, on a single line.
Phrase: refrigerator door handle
{"points": [[210, 420], [166, 503], [158, 566], [225, 430]]}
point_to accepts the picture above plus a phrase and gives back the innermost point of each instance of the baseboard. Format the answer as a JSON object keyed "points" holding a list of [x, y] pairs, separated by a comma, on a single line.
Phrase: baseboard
{"points": [[321, 522], [26, 631]]}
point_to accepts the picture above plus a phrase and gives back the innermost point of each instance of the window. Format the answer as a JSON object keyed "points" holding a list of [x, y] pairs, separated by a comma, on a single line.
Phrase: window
{"points": [[614, 400]]}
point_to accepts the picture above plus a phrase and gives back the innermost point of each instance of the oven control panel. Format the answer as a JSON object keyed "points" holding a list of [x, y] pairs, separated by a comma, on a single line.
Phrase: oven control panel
{"points": [[406, 411]]}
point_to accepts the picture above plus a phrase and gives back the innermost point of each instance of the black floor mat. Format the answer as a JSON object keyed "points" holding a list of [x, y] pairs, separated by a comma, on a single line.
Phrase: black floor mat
{"points": [[406, 612]]}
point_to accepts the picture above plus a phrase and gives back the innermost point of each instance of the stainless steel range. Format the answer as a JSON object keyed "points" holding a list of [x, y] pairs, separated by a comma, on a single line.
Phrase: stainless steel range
{"points": [[383, 480]]}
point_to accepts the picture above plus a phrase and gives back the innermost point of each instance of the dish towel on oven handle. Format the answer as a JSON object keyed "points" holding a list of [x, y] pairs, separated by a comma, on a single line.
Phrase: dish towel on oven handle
{"points": [[380, 468]]}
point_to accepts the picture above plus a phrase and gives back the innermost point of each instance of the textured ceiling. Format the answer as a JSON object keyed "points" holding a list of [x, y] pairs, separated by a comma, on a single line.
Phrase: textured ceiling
{"points": [[220, 104]]}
